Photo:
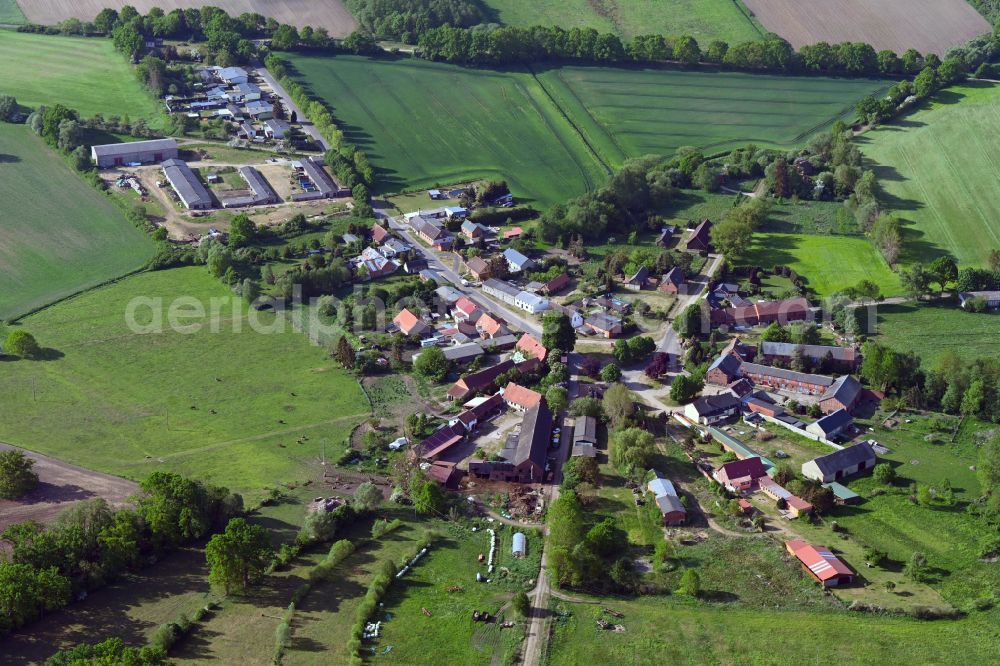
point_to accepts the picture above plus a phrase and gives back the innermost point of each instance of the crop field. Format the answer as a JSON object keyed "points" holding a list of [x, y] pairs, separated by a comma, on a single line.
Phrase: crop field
{"points": [[930, 26], [329, 14], [704, 20], [58, 234], [10, 13], [938, 170], [829, 263], [85, 74], [557, 134], [930, 329], [631, 112], [717, 633], [233, 406], [423, 123]]}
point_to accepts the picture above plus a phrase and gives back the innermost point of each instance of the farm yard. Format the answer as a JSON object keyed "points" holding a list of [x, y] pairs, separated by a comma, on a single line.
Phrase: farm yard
{"points": [[84, 74], [329, 14], [557, 134], [938, 168], [59, 234], [829, 263], [929, 26], [704, 20], [930, 329], [130, 404]]}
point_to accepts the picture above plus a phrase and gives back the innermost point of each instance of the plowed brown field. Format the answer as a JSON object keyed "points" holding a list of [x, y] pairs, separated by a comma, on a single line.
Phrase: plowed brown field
{"points": [[329, 14], [930, 26]]}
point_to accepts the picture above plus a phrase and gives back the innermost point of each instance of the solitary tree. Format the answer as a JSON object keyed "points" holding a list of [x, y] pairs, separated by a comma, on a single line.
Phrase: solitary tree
{"points": [[521, 604], [237, 556], [21, 343], [884, 473], [611, 373], [690, 583], [367, 497], [17, 477]]}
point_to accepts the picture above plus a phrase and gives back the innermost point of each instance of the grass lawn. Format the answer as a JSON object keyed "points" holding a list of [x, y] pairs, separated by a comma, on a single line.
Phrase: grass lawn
{"points": [[704, 20], [627, 112], [829, 263], [10, 13], [929, 329], [669, 630], [424, 124], [84, 74], [59, 234], [938, 169], [238, 408]]}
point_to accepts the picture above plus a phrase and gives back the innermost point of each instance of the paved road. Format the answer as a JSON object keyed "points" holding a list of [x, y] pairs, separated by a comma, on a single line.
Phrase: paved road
{"points": [[670, 342], [290, 106]]}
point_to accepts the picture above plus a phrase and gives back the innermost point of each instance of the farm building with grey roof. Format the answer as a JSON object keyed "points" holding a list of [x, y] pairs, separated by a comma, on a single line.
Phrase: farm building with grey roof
{"points": [[144, 152], [187, 186]]}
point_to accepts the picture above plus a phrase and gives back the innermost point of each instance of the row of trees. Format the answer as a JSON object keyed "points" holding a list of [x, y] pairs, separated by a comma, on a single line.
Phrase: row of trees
{"points": [[90, 544]]}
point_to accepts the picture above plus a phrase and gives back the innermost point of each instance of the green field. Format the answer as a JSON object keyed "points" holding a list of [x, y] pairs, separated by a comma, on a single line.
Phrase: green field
{"points": [[242, 409], [10, 13], [557, 134], [703, 19], [938, 169], [931, 329], [667, 630], [58, 234], [85, 74], [629, 112], [829, 263]]}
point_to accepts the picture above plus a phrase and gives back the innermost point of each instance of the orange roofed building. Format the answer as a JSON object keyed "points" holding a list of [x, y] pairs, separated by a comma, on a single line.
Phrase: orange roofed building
{"points": [[520, 397]]}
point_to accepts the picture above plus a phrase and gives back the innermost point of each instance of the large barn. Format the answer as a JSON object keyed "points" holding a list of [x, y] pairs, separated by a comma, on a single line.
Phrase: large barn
{"points": [[136, 152]]}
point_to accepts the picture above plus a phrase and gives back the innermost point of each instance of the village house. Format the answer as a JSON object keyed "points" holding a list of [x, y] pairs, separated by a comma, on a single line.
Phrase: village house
{"points": [[740, 475], [489, 326], [724, 370], [846, 358], [380, 233], [667, 501], [232, 75], [530, 347], [604, 325], [525, 461], [612, 304], [785, 380], [792, 504], [517, 262], [480, 412], [457, 213], [832, 425], [673, 282], [445, 473], [394, 247], [473, 230], [820, 563], [415, 266], [504, 291], [556, 284], [261, 191], [410, 324], [431, 231], [584, 437], [478, 268], [466, 310], [638, 280], [463, 353], [531, 303], [712, 409], [844, 393], [259, 110], [439, 441], [758, 406], [701, 239], [840, 464], [762, 313], [666, 236], [478, 381], [520, 398]]}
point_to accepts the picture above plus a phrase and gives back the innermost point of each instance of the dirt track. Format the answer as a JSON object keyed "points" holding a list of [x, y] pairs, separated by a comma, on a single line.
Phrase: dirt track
{"points": [[329, 14], [61, 485], [930, 26]]}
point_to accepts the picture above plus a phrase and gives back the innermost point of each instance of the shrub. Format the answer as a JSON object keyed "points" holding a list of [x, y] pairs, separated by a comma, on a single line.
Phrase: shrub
{"points": [[884, 473]]}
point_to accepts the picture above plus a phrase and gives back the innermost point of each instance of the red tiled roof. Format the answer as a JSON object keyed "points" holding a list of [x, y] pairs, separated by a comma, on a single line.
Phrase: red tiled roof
{"points": [[465, 305], [532, 347], [556, 283], [488, 325], [379, 233], [408, 322], [513, 233], [818, 559], [521, 396]]}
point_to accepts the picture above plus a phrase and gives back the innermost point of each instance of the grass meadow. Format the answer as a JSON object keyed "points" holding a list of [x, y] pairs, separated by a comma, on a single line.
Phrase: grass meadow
{"points": [[704, 20], [82, 73], [938, 170], [930, 329], [10, 13], [829, 263], [59, 235], [234, 407]]}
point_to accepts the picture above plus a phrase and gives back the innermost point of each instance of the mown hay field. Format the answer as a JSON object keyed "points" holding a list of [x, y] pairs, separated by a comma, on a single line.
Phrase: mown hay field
{"points": [[329, 14], [558, 133], [233, 406], [930, 26], [938, 169], [931, 329], [58, 234], [704, 20], [82, 73]]}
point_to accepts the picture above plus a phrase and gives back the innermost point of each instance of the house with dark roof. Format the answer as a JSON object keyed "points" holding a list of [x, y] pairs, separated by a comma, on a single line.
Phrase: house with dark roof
{"points": [[473, 230], [673, 281], [186, 185], [439, 441], [844, 393], [504, 291], [585, 437], [820, 563], [119, 154], [990, 298], [556, 284], [701, 238], [832, 425], [478, 381], [261, 192], [784, 352], [463, 353], [712, 409], [637, 281], [525, 461], [763, 313], [740, 475], [478, 268], [667, 501], [785, 380], [604, 325], [517, 262], [724, 370], [840, 464], [666, 236], [484, 410]]}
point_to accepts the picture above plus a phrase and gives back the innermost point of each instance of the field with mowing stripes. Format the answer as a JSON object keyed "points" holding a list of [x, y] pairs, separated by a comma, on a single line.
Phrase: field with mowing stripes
{"points": [[938, 168], [235, 407], [930, 329], [639, 111], [85, 74], [57, 233], [556, 134], [704, 20]]}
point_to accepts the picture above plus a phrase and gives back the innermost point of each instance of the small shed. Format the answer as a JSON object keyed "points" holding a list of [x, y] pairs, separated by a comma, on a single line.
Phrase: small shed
{"points": [[520, 548]]}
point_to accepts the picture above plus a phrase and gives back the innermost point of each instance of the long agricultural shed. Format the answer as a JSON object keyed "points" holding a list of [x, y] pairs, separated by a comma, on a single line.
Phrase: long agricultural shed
{"points": [[189, 189]]}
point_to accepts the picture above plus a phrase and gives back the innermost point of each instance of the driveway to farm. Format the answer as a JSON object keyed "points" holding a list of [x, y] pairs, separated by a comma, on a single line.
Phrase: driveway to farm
{"points": [[670, 342], [290, 106], [61, 485]]}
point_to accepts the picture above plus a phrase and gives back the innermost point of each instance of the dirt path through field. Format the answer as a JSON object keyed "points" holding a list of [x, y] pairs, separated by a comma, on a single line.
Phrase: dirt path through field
{"points": [[61, 485]]}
